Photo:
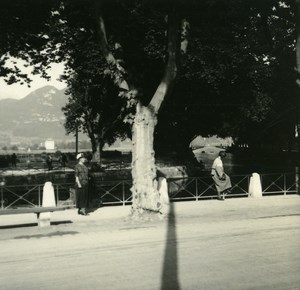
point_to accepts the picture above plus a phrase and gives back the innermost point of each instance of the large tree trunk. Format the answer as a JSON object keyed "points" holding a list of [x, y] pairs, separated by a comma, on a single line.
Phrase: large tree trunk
{"points": [[145, 184], [93, 143], [97, 150], [144, 190], [146, 197], [95, 147], [97, 155]]}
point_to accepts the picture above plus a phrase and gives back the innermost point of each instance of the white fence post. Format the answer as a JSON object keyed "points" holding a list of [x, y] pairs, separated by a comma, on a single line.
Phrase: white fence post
{"points": [[48, 201], [297, 179], [255, 189], [164, 195]]}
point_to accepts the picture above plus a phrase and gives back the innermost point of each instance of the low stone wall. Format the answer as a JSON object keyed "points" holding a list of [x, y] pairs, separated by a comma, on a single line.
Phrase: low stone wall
{"points": [[57, 177], [125, 174]]}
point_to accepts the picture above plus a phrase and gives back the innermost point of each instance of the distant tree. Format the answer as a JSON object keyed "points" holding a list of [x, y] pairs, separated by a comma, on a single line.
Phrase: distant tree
{"points": [[14, 148], [94, 108]]}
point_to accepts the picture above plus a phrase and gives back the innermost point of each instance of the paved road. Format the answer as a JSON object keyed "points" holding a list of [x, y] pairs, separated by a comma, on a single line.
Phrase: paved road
{"points": [[236, 244]]}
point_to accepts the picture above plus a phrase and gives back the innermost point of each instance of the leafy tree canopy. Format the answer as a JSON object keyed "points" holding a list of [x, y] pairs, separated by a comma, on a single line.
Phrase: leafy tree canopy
{"points": [[24, 26], [237, 78]]}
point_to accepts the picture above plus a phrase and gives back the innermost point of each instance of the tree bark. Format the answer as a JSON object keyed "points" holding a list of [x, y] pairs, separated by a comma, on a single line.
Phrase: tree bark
{"points": [[95, 145], [144, 190], [97, 154]]}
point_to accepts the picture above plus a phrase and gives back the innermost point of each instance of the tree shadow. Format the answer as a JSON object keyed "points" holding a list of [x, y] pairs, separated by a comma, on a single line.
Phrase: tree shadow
{"points": [[170, 267], [46, 235], [33, 225]]}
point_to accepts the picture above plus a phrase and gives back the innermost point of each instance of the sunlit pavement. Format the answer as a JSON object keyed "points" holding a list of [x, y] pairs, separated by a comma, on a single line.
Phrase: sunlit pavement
{"points": [[232, 244]]}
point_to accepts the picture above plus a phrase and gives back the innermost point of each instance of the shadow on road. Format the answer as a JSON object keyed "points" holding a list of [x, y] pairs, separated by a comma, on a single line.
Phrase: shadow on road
{"points": [[170, 266], [33, 225], [277, 216], [47, 235]]}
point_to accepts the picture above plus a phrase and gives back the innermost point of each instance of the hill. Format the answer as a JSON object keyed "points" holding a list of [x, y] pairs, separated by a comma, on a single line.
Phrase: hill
{"points": [[37, 115]]}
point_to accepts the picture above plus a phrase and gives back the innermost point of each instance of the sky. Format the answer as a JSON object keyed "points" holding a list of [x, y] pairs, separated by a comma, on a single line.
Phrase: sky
{"points": [[17, 91]]}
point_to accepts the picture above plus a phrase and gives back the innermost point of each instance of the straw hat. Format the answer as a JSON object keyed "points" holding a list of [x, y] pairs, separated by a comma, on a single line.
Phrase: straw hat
{"points": [[79, 155]]}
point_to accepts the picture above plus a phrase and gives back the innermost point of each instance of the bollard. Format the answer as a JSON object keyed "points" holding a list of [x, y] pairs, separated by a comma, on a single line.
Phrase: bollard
{"points": [[48, 201], [255, 189], [164, 196], [297, 180]]}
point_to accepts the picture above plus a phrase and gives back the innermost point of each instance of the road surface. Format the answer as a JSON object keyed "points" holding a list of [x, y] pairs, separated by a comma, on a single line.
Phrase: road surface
{"points": [[236, 244]]}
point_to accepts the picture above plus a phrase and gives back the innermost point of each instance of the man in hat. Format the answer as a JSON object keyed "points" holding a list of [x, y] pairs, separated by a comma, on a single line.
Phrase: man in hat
{"points": [[82, 184], [221, 179]]}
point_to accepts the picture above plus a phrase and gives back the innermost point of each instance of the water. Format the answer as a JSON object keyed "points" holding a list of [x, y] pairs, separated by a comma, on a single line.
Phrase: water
{"points": [[235, 163], [246, 163]]}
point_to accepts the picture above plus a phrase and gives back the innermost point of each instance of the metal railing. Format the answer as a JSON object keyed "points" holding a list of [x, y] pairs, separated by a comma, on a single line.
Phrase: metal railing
{"points": [[197, 188], [117, 192], [14, 196], [273, 184]]}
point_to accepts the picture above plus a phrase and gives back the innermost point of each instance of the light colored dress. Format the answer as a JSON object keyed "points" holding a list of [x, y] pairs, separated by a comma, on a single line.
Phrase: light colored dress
{"points": [[221, 179]]}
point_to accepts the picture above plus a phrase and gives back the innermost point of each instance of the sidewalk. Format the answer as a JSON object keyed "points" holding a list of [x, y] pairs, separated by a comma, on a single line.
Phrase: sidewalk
{"points": [[115, 217], [236, 244], [206, 209]]}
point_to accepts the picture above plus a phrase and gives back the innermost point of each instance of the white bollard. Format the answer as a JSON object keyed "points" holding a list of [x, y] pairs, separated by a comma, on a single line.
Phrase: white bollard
{"points": [[48, 201], [297, 180], [255, 189], [164, 195]]}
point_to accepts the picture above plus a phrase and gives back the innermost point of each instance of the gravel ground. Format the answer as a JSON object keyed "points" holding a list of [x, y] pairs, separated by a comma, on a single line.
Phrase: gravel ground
{"points": [[236, 244]]}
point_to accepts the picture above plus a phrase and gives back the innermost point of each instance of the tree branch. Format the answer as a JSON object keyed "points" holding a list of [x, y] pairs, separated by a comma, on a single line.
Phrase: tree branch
{"points": [[110, 59], [175, 43]]}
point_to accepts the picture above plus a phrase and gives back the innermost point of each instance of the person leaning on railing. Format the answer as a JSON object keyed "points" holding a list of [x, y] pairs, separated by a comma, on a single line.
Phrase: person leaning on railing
{"points": [[221, 179], [82, 184]]}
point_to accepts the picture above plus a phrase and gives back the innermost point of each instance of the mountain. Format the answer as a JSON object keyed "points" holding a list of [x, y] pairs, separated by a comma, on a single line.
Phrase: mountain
{"points": [[38, 115]]}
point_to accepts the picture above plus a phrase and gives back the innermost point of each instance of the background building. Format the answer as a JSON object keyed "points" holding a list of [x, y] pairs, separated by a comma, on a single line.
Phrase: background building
{"points": [[49, 144]]}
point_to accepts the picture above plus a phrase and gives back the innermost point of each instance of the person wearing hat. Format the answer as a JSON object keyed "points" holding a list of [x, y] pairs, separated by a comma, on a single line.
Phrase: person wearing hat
{"points": [[82, 184], [221, 179]]}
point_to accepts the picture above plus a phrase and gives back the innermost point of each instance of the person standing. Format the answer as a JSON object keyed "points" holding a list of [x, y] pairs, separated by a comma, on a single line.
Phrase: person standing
{"points": [[49, 162], [221, 179], [64, 159], [13, 160], [82, 184]]}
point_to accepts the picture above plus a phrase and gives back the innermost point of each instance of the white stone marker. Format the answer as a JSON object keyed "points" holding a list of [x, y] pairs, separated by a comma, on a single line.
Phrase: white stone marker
{"points": [[255, 189], [48, 201], [164, 196]]}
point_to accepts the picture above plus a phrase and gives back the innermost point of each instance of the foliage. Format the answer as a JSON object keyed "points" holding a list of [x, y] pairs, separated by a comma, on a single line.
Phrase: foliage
{"points": [[95, 109], [237, 78], [94, 103], [24, 26]]}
